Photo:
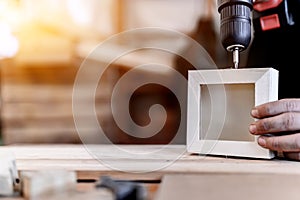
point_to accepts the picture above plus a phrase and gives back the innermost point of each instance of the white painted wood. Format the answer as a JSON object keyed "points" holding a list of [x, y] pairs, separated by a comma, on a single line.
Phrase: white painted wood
{"points": [[8, 174], [265, 81], [37, 184]]}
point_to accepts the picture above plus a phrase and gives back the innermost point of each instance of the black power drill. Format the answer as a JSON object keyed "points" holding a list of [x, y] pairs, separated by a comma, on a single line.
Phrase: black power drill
{"points": [[236, 21]]}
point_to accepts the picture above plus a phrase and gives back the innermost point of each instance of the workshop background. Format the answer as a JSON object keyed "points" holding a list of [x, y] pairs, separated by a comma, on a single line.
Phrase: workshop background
{"points": [[44, 42]]}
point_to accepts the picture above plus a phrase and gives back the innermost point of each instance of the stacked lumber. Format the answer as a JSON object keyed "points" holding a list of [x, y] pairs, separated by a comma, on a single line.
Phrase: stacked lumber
{"points": [[37, 104]]}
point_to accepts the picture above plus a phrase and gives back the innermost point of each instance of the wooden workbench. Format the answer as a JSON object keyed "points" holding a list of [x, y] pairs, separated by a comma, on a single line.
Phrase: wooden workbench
{"points": [[141, 158], [143, 162]]}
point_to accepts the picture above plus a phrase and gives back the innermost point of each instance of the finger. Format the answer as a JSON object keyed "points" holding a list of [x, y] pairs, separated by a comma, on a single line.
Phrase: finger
{"points": [[286, 143], [281, 123], [276, 108], [292, 156]]}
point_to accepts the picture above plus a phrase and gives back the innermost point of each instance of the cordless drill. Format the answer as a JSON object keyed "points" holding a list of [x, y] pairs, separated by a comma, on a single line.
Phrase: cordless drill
{"points": [[235, 27], [236, 17]]}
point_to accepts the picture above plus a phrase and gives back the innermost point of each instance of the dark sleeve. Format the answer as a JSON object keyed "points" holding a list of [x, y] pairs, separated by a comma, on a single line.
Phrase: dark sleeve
{"points": [[294, 5], [279, 49]]}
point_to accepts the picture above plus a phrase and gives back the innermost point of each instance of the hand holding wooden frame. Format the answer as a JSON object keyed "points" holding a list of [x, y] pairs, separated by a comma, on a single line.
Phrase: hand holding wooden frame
{"points": [[219, 105]]}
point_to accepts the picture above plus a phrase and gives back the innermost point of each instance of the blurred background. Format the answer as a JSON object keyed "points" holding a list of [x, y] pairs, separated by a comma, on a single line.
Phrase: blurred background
{"points": [[44, 42]]}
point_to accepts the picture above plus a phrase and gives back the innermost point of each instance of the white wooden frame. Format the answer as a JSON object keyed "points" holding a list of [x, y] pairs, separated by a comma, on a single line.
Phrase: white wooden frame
{"points": [[265, 82]]}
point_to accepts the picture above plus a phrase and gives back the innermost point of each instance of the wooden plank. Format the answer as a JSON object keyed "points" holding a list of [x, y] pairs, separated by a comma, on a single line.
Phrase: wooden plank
{"points": [[233, 187], [152, 161], [49, 93], [48, 135], [41, 73], [131, 60], [12, 198], [43, 183], [60, 111], [40, 123], [37, 102], [83, 191]]}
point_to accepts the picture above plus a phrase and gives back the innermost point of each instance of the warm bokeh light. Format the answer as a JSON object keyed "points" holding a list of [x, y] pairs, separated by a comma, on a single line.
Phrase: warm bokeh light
{"points": [[47, 40], [9, 44], [47, 30]]}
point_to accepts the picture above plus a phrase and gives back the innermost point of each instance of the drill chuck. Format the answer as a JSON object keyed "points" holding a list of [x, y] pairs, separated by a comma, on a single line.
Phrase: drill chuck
{"points": [[235, 30]]}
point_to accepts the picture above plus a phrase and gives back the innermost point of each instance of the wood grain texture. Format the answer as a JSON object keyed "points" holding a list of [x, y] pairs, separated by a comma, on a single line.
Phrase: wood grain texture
{"points": [[209, 113], [37, 101], [37, 104], [141, 163], [233, 187]]}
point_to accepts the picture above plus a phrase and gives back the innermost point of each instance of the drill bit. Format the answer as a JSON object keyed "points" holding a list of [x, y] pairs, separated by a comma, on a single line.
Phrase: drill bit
{"points": [[235, 54]]}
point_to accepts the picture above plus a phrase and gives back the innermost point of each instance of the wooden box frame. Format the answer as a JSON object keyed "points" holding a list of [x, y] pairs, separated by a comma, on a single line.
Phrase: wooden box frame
{"points": [[265, 82]]}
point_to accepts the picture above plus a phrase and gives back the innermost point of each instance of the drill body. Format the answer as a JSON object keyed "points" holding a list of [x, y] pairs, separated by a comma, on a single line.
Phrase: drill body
{"points": [[237, 17]]}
